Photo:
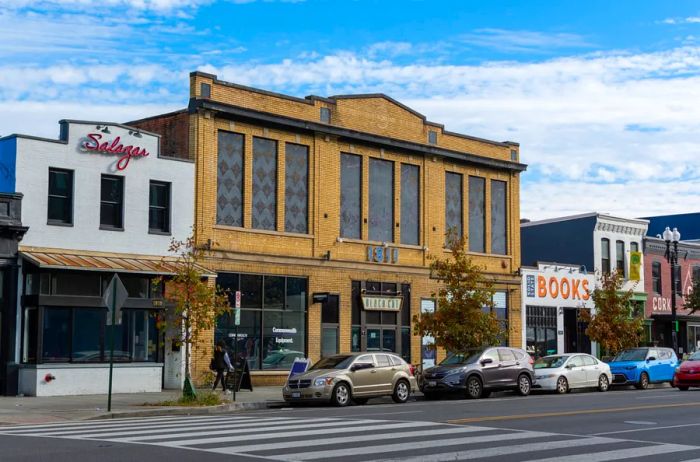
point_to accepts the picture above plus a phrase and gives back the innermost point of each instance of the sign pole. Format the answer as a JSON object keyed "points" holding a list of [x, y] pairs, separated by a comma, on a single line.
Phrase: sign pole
{"points": [[237, 321], [111, 346]]}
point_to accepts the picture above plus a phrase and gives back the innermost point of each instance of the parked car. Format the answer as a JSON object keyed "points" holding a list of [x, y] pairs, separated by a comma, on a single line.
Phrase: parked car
{"points": [[688, 373], [354, 377], [478, 372], [642, 366], [563, 373]]}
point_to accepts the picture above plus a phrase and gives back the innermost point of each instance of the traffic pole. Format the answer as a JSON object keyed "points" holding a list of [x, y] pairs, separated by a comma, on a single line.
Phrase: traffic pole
{"points": [[111, 346]]}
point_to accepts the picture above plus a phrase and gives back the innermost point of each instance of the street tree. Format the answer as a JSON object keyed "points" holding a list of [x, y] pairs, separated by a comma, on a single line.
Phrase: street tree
{"points": [[692, 300], [614, 326], [196, 304], [464, 317]]}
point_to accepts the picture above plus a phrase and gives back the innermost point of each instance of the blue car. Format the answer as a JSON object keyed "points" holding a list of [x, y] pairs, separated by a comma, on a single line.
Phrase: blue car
{"points": [[642, 366]]}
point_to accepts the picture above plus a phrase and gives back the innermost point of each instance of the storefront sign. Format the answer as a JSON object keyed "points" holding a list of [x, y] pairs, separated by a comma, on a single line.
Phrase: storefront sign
{"points": [[379, 303], [557, 287], [278, 330], [635, 266], [661, 304], [381, 254], [96, 144]]}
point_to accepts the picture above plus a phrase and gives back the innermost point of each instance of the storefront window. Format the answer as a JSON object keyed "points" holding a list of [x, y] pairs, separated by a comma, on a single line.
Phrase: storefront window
{"points": [[541, 322], [272, 331], [75, 283], [87, 335], [56, 335], [136, 286]]}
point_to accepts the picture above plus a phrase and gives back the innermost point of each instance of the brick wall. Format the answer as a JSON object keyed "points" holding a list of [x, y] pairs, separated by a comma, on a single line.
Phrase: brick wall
{"points": [[174, 131]]}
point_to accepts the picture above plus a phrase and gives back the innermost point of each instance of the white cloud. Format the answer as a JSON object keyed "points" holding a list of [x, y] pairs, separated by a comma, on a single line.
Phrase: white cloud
{"points": [[154, 5], [687, 20], [523, 40]]}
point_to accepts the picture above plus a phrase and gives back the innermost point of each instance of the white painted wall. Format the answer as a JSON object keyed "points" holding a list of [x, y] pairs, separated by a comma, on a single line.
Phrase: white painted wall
{"points": [[93, 379], [35, 156], [627, 231]]}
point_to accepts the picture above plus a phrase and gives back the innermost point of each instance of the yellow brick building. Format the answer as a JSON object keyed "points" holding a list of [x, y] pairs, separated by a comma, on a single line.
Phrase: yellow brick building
{"points": [[323, 212]]}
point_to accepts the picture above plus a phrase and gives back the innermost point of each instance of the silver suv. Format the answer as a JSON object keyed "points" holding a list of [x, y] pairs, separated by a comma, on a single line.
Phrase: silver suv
{"points": [[478, 372], [355, 376]]}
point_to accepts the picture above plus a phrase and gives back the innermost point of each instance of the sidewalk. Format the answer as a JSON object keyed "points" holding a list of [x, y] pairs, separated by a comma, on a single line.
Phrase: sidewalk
{"points": [[27, 410]]}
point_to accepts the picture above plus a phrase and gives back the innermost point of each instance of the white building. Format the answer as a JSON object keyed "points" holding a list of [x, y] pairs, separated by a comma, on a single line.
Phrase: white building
{"points": [[98, 201]]}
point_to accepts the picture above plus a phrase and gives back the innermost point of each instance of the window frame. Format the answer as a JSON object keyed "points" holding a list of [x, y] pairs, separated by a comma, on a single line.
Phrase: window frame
{"points": [[122, 181], [620, 258], [69, 198], [656, 279], [356, 232], [406, 171], [460, 198], [605, 256], [255, 188], [167, 208]]}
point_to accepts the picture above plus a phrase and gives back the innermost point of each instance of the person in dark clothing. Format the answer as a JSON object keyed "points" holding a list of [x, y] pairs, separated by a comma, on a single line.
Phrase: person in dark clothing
{"points": [[221, 363]]}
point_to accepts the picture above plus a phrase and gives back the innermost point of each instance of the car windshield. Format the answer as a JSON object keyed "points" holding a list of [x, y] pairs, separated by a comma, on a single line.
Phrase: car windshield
{"points": [[333, 362], [695, 356], [468, 357], [639, 354], [550, 362]]}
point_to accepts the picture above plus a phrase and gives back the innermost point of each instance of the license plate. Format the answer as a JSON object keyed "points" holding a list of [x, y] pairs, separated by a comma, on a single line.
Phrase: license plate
{"points": [[296, 394], [432, 383]]}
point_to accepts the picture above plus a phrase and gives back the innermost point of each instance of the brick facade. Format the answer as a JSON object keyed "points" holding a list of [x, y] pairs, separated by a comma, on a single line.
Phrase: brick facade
{"points": [[371, 126]]}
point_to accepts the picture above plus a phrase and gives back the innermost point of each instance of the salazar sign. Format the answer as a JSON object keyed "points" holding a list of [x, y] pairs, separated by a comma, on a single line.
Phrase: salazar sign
{"points": [[125, 144]]}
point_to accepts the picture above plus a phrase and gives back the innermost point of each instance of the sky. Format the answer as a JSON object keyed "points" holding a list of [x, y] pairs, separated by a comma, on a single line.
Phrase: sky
{"points": [[603, 97]]}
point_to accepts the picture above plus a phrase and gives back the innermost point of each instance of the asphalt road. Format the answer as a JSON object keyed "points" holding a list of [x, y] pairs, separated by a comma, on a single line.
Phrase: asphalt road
{"points": [[660, 423]]}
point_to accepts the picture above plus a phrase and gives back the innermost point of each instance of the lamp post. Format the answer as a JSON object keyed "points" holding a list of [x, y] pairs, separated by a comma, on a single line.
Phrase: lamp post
{"points": [[672, 237]]}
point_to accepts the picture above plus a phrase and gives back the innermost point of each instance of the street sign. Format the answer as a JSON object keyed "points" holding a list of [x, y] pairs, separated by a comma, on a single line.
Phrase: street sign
{"points": [[238, 299], [237, 311], [114, 298]]}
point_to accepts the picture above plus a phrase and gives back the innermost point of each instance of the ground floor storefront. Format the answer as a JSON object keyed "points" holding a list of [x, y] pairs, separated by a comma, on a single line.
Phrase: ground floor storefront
{"points": [[65, 333], [660, 332], [553, 297], [308, 308]]}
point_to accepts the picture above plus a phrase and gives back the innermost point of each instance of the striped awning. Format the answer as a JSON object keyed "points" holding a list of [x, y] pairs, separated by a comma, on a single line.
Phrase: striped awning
{"points": [[99, 261]]}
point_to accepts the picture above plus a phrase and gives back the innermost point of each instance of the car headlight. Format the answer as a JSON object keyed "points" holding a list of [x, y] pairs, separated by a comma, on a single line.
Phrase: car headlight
{"points": [[323, 381]]}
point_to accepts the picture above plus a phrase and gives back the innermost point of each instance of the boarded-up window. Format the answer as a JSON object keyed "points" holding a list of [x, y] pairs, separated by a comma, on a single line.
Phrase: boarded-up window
{"points": [[350, 196], [381, 200], [264, 184], [499, 214], [296, 188], [410, 204], [453, 204], [477, 214]]}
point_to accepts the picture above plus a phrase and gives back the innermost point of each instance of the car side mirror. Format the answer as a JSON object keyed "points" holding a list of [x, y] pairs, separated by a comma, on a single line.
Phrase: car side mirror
{"points": [[651, 358], [569, 366], [486, 361]]}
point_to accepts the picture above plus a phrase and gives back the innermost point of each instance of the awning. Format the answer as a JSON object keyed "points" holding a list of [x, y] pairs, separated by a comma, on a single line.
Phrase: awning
{"points": [[101, 261]]}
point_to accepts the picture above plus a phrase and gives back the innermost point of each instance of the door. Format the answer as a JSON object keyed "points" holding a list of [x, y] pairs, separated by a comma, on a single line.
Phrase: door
{"points": [[491, 372], [509, 371], [385, 374], [667, 364], [381, 339], [577, 372], [364, 380], [655, 365], [593, 370]]}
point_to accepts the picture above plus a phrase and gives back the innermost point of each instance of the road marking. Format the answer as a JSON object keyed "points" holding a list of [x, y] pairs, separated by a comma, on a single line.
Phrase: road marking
{"points": [[343, 428], [569, 413], [382, 413], [401, 447], [297, 424], [348, 439], [506, 450], [621, 453], [646, 429], [639, 422]]}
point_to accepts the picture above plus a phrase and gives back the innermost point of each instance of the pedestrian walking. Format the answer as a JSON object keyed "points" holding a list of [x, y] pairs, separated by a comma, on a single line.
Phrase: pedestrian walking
{"points": [[220, 363]]}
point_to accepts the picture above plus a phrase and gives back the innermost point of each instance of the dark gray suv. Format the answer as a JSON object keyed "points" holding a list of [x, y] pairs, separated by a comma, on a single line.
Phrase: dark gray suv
{"points": [[478, 372]]}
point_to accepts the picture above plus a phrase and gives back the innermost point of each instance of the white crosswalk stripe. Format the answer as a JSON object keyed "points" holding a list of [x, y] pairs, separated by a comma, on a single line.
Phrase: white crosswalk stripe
{"points": [[283, 438]]}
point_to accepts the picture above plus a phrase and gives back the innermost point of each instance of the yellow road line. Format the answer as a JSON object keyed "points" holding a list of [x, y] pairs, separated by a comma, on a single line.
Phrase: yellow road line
{"points": [[567, 413]]}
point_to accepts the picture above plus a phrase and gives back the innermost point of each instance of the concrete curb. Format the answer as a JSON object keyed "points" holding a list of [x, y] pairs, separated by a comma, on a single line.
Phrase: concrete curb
{"points": [[195, 410]]}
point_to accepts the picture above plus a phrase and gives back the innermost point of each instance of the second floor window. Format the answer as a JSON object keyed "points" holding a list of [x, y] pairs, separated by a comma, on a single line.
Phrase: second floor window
{"points": [[296, 188], [453, 205], [159, 207], [656, 277], [410, 204], [605, 255], [229, 179], [112, 202], [381, 200], [477, 214], [499, 216], [620, 258], [264, 184], [60, 210], [350, 196]]}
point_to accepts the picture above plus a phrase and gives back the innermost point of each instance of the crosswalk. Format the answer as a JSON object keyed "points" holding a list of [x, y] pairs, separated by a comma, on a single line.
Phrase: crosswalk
{"points": [[287, 438]]}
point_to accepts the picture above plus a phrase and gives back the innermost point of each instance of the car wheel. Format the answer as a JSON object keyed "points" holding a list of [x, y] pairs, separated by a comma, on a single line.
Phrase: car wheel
{"points": [[402, 391], [474, 387], [341, 395], [562, 385], [603, 383], [360, 401], [524, 385], [643, 383], [683, 388]]}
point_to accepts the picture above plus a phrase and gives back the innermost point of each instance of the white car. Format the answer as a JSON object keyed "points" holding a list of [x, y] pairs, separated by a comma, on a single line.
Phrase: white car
{"points": [[573, 370]]}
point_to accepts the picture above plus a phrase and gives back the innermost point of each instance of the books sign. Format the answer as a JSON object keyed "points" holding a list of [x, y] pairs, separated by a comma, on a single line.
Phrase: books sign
{"points": [[379, 303]]}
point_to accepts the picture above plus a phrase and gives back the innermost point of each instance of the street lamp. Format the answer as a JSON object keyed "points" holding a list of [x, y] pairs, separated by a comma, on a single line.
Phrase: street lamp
{"points": [[672, 259]]}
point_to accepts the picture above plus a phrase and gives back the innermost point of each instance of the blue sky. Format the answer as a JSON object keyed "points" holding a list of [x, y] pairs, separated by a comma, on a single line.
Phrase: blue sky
{"points": [[603, 96]]}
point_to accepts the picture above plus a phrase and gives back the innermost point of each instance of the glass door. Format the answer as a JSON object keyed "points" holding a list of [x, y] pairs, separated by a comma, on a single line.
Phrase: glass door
{"points": [[381, 339], [693, 338]]}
